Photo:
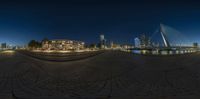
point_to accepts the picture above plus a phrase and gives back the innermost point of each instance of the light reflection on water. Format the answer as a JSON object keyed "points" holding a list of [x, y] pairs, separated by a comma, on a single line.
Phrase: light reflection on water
{"points": [[164, 52]]}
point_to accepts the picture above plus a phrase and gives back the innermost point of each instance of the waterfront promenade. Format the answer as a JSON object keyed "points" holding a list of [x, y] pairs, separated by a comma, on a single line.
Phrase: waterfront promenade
{"points": [[109, 75]]}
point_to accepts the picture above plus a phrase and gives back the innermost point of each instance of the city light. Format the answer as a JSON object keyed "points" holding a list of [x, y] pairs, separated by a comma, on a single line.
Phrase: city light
{"points": [[9, 51]]}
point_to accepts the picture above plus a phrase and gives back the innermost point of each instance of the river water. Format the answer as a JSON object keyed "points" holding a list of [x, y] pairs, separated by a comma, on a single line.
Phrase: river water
{"points": [[164, 52]]}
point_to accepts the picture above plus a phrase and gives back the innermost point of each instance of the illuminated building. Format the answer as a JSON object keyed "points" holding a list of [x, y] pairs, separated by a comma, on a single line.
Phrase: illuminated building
{"points": [[137, 42], [102, 37], [62, 45], [102, 41], [111, 44], [144, 41]]}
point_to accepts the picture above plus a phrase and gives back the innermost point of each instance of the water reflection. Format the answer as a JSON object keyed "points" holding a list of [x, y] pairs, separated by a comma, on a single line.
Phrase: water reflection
{"points": [[162, 52]]}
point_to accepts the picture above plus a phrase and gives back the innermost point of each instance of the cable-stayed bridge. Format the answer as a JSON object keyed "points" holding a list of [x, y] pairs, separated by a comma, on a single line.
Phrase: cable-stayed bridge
{"points": [[171, 40]]}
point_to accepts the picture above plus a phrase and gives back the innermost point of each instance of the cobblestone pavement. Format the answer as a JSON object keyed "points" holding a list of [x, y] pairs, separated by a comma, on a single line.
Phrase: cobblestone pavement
{"points": [[110, 75]]}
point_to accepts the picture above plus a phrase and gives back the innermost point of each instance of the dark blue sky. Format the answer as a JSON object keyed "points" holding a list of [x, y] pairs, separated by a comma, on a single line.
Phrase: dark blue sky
{"points": [[119, 21]]}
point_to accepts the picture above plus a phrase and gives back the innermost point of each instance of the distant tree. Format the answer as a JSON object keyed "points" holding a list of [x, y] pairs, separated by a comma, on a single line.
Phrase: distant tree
{"points": [[45, 39], [34, 44], [99, 45], [86, 46], [92, 45], [38, 44]]}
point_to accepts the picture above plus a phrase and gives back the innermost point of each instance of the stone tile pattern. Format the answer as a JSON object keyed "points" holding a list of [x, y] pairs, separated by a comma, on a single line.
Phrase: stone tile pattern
{"points": [[110, 75]]}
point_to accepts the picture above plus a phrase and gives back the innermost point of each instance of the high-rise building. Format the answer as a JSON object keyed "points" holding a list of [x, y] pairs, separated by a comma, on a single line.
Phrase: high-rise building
{"points": [[111, 44], [195, 45], [137, 42], [145, 41], [102, 37], [3, 45], [102, 41]]}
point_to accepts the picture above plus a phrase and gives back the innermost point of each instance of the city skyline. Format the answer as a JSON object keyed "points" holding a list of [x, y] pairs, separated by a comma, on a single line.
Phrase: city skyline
{"points": [[120, 22], [99, 49]]}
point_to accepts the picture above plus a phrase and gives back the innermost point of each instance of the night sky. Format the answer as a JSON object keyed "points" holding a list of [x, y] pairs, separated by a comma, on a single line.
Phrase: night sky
{"points": [[84, 20]]}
